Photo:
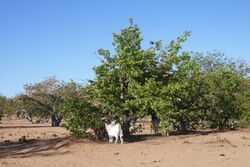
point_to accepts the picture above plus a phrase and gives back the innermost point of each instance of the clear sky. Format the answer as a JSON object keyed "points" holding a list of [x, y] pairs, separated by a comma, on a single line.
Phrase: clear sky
{"points": [[41, 38]]}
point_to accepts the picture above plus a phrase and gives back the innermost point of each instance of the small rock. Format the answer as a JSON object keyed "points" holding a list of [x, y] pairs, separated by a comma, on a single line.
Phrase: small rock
{"points": [[220, 145], [222, 139], [185, 142], [244, 137], [4, 162], [22, 140], [54, 135], [222, 155], [116, 153]]}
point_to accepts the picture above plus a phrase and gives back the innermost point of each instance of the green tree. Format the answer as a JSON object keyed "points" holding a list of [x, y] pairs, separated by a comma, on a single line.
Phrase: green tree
{"points": [[82, 116], [7, 107], [222, 80], [2, 105], [135, 82], [243, 99]]}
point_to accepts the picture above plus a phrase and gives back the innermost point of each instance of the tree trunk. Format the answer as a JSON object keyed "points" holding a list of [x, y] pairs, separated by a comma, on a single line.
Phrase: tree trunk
{"points": [[100, 133], [55, 120], [155, 122], [29, 117], [126, 126], [182, 128]]}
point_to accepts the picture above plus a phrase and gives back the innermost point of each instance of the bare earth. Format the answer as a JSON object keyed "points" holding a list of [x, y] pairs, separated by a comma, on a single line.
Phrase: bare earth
{"points": [[53, 147]]}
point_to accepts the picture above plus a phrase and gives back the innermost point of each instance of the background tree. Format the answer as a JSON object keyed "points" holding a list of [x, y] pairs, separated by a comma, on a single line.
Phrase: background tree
{"points": [[242, 102], [223, 87], [2, 105], [44, 99], [7, 107]]}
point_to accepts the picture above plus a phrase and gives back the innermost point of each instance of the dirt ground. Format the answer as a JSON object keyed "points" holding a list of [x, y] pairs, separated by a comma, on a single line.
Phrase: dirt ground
{"points": [[53, 147]]}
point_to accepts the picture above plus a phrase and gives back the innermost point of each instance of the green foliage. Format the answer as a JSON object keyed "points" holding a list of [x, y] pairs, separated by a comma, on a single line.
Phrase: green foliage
{"points": [[244, 121], [7, 107], [2, 105], [222, 89], [243, 99], [164, 127], [80, 114]]}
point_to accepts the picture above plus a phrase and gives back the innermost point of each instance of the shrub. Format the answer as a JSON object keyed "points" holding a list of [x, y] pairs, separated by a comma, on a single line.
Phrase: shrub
{"points": [[81, 115]]}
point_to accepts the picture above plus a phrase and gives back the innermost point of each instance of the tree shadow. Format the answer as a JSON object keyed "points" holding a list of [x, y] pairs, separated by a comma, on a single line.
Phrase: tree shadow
{"points": [[175, 134], [23, 126], [34, 147], [141, 137], [207, 131]]}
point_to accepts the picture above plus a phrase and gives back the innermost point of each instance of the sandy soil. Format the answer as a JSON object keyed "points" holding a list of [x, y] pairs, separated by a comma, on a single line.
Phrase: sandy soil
{"points": [[53, 147]]}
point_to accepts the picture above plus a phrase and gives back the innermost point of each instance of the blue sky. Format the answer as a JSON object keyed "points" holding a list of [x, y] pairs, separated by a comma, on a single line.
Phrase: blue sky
{"points": [[60, 37]]}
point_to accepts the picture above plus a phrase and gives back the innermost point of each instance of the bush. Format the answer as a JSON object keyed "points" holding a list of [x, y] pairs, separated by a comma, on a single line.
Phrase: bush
{"points": [[81, 115], [2, 105], [164, 127], [245, 120]]}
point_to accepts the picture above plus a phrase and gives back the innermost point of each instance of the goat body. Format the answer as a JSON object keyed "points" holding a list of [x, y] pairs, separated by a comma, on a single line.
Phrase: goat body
{"points": [[114, 130]]}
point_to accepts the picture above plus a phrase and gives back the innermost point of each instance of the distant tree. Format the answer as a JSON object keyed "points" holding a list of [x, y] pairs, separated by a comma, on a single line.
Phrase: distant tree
{"points": [[44, 99], [2, 105], [7, 107]]}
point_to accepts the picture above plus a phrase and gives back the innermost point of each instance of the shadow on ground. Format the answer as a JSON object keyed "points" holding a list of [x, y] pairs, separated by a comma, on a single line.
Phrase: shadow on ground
{"points": [[34, 147], [17, 127], [141, 137], [208, 131], [174, 135]]}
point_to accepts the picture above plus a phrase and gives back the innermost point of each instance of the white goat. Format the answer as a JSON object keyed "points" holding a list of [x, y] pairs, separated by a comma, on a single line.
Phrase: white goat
{"points": [[114, 130]]}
